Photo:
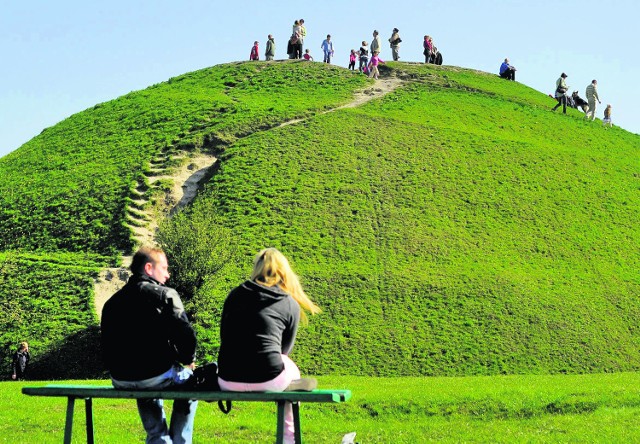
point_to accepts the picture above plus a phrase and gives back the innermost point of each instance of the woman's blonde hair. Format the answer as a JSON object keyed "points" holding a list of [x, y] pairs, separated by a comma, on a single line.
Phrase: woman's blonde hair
{"points": [[271, 268]]}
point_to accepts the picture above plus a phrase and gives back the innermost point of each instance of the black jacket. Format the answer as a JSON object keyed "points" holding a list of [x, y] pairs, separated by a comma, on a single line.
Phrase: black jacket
{"points": [[145, 330], [258, 325], [20, 363]]}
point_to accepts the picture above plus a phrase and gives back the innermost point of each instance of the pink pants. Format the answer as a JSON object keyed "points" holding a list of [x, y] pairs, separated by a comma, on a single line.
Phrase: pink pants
{"points": [[278, 383]]}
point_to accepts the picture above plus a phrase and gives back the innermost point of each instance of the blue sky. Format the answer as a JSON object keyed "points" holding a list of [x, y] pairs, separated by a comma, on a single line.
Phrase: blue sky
{"points": [[62, 57]]}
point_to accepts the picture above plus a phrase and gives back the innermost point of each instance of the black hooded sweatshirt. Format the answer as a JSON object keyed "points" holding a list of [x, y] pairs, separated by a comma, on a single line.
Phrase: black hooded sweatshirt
{"points": [[258, 324]]}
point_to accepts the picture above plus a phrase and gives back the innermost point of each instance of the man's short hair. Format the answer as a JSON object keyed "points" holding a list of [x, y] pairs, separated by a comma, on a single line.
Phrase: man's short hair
{"points": [[143, 256]]}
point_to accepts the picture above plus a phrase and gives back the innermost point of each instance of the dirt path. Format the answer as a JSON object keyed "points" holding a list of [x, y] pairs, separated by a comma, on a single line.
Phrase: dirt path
{"points": [[187, 181], [380, 88]]}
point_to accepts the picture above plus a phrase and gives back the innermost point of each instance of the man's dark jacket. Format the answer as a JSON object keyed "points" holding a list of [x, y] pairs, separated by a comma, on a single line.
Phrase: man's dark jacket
{"points": [[145, 331]]}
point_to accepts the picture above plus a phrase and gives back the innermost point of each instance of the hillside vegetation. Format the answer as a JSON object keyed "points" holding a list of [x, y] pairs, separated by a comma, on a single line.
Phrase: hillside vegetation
{"points": [[75, 188], [455, 226]]}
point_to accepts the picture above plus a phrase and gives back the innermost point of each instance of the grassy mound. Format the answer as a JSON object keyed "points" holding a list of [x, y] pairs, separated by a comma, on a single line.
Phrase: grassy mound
{"points": [[455, 226]]}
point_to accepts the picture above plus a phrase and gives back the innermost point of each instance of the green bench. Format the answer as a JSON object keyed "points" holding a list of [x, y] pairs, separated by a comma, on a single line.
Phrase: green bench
{"points": [[88, 392]]}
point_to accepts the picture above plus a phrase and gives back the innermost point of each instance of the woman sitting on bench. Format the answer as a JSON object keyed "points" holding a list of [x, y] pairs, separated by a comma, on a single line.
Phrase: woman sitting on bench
{"points": [[258, 329]]}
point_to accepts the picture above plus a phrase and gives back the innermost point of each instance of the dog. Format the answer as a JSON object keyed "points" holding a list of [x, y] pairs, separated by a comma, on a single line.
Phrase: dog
{"points": [[580, 102]]}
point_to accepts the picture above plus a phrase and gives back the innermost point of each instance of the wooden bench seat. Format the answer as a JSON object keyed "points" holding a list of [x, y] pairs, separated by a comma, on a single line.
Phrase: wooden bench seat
{"points": [[88, 392]]}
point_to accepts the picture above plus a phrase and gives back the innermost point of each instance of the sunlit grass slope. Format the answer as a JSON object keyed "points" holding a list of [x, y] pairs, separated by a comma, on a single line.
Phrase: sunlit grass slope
{"points": [[64, 193], [67, 188], [454, 227]]}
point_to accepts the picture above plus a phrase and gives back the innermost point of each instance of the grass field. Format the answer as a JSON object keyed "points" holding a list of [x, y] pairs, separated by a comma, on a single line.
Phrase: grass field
{"points": [[597, 408]]}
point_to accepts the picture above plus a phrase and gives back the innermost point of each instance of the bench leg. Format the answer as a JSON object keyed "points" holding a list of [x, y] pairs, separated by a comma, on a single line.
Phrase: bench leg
{"points": [[88, 409], [296, 422], [280, 427], [68, 426]]}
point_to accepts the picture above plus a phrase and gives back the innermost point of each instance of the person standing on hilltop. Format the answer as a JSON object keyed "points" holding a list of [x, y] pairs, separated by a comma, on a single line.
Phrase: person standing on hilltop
{"points": [[394, 42], [327, 47], [507, 71], [255, 52], [303, 35], [296, 35], [592, 96], [270, 50], [427, 49], [148, 343], [364, 56], [353, 56], [561, 93], [20, 362], [258, 329], [375, 43]]}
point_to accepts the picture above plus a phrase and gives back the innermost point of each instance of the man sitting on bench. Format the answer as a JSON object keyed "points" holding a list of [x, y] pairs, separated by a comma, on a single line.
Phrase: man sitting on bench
{"points": [[145, 331]]}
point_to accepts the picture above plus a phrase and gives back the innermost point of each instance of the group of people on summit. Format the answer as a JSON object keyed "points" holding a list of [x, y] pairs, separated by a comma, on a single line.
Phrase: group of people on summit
{"points": [[148, 341], [368, 56]]}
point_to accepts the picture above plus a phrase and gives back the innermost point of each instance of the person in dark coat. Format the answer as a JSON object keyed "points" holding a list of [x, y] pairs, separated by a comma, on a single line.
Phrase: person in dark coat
{"points": [[148, 343], [20, 362], [258, 330]]}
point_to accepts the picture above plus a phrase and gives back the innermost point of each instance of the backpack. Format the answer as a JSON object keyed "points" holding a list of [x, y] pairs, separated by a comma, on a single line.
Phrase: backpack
{"points": [[205, 378]]}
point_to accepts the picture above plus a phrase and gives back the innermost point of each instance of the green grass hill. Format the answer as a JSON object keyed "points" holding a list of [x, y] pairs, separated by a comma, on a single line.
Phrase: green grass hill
{"points": [[453, 226]]}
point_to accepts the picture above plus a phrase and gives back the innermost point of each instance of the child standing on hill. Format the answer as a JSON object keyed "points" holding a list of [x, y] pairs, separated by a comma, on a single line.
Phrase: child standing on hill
{"points": [[352, 60], [607, 116], [255, 53], [373, 65], [364, 57]]}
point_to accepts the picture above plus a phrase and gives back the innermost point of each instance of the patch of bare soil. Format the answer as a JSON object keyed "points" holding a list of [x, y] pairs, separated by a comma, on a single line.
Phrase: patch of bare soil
{"points": [[187, 180]]}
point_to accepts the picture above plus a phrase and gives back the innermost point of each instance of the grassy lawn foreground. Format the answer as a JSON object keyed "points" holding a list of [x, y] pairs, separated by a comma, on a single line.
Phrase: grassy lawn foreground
{"points": [[561, 408]]}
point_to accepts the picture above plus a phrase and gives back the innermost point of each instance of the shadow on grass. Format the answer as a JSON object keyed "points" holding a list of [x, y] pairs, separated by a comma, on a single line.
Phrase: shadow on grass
{"points": [[77, 357]]}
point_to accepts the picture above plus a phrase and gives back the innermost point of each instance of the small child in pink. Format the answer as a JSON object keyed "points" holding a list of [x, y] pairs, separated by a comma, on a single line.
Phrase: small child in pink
{"points": [[307, 55], [373, 65], [255, 53], [352, 60]]}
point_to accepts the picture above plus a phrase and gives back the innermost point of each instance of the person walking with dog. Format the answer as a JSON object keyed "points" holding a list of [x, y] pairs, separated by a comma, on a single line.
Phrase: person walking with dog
{"points": [[592, 95], [394, 42], [507, 71], [561, 93]]}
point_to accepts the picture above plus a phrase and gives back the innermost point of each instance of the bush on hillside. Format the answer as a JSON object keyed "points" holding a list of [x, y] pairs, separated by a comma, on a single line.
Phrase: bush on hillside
{"points": [[196, 248]]}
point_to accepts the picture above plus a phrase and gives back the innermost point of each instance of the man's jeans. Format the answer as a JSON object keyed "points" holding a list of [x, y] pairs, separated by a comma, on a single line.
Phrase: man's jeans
{"points": [[152, 411]]}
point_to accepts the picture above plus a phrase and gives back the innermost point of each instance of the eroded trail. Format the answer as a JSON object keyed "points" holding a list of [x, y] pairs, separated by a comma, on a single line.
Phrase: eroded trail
{"points": [[143, 215], [380, 88]]}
